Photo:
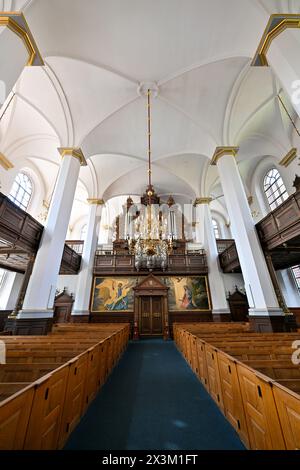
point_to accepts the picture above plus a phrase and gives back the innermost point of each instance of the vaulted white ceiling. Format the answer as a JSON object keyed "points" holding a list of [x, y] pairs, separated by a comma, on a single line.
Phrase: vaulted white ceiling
{"points": [[97, 53]]}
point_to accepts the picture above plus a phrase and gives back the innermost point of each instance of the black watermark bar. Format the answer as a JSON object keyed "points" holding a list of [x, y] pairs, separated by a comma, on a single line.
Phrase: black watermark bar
{"points": [[139, 459]]}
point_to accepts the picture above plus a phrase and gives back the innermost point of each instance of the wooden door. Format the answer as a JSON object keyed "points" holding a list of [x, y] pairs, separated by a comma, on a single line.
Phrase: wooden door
{"points": [[156, 315], [151, 315], [145, 313]]}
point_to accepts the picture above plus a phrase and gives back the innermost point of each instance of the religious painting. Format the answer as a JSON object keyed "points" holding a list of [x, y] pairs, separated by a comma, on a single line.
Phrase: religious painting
{"points": [[113, 294], [188, 293]]}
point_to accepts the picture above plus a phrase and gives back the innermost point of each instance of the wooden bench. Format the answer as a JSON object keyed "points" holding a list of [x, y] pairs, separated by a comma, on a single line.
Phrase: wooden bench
{"points": [[41, 402], [252, 379]]}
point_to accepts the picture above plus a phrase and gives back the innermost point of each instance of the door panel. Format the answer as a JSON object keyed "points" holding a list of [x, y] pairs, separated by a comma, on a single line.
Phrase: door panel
{"points": [[156, 315], [151, 315], [145, 315]]}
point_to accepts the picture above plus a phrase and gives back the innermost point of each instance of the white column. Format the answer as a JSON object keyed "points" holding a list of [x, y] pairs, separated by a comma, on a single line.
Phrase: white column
{"points": [[39, 299], [10, 290], [260, 292], [206, 235], [289, 289], [82, 297]]}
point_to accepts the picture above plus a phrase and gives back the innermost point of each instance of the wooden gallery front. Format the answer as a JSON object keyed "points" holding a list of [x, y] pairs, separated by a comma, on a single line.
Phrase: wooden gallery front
{"points": [[150, 301]]}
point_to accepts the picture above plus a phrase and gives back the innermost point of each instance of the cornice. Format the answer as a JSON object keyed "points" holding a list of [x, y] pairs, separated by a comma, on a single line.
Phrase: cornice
{"points": [[17, 23], [221, 152], [276, 25], [73, 152]]}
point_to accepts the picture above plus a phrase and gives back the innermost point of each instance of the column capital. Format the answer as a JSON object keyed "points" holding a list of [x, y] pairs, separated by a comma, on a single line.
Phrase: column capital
{"points": [[222, 151], [202, 200], [96, 202], [5, 163], [276, 25], [290, 156], [73, 152], [17, 23]]}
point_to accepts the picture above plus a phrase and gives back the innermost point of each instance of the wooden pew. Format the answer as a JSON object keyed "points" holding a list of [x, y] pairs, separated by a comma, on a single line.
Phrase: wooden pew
{"points": [[288, 407], [75, 394], [252, 379], [14, 373], [14, 416], [59, 392]]}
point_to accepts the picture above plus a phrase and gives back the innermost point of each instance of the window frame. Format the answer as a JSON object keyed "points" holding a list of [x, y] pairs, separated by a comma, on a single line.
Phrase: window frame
{"points": [[277, 186], [22, 203], [216, 229]]}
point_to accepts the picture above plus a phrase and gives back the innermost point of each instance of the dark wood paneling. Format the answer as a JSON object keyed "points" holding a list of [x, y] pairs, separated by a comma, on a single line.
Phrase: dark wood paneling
{"points": [[4, 314], [18, 227], [126, 317], [29, 327], [186, 317], [79, 319], [229, 260], [71, 261], [222, 318], [180, 264], [282, 224], [296, 312], [272, 324]]}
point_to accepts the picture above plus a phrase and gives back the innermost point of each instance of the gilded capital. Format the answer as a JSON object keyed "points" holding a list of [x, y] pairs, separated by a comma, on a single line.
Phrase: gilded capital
{"points": [[73, 152], [222, 151], [290, 156], [5, 163], [276, 25], [17, 23], [96, 202], [202, 200]]}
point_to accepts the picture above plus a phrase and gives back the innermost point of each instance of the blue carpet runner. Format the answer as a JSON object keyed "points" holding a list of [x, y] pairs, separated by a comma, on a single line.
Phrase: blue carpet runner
{"points": [[153, 401]]}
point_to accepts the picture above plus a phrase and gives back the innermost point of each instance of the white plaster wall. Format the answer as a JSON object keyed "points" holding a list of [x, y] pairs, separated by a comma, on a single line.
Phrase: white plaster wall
{"points": [[288, 288], [10, 290], [232, 280], [70, 282]]}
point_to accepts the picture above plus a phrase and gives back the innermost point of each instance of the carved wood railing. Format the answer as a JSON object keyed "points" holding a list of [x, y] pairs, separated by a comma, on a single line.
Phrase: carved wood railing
{"points": [[183, 264], [282, 224], [229, 259], [76, 245], [20, 236], [18, 228]]}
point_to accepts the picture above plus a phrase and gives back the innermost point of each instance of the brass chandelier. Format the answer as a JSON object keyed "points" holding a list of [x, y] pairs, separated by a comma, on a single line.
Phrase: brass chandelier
{"points": [[151, 243]]}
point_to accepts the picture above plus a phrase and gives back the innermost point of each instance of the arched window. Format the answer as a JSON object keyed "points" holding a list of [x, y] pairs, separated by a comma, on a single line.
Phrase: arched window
{"points": [[216, 229], [21, 191], [83, 232], [274, 188]]}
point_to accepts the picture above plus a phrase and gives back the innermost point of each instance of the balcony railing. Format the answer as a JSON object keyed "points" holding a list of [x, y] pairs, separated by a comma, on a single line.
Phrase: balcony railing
{"points": [[76, 245], [282, 224], [20, 236], [110, 263]]}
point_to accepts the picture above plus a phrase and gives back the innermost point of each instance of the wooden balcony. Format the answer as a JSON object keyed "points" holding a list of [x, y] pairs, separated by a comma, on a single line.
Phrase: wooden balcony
{"points": [[71, 261], [282, 225], [228, 256], [109, 264], [20, 236], [17, 228]]}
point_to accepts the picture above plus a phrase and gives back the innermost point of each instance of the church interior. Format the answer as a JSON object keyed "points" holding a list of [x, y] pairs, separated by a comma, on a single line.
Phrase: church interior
{"points": [[149, 225]]}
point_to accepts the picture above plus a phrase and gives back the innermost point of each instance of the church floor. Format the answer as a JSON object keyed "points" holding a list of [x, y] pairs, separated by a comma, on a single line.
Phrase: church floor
{"points": [[153, 401]]}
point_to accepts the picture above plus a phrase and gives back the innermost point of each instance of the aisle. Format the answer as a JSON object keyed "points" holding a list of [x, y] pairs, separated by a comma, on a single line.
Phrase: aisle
{"points": [[153, 401]]}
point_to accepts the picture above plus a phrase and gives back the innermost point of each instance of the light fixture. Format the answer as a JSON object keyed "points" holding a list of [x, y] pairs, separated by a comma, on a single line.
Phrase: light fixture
{"points": [[150, 242]]}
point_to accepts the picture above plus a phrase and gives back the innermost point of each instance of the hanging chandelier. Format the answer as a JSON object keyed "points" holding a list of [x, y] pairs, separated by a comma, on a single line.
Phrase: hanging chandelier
{"points": [[150, 244]]}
